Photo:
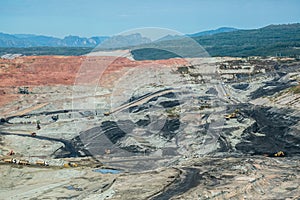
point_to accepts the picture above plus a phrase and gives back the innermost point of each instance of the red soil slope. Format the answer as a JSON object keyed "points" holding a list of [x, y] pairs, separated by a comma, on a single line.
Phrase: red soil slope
{"points": [[65, 70]]}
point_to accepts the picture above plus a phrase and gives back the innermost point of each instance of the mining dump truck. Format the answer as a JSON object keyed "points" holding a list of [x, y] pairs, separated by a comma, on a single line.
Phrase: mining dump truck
{"points": [[106, 113], [23, 162], [42, 163], [10, 160], [70, 164]]}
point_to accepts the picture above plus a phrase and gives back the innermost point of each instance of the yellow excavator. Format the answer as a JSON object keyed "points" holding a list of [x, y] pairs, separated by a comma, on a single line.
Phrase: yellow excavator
{"points": [[279, 154], [232, 115]]}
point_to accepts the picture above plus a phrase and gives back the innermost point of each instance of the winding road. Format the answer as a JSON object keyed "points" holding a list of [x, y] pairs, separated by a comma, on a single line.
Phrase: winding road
{"points": [[68, 145], [142, 100]]}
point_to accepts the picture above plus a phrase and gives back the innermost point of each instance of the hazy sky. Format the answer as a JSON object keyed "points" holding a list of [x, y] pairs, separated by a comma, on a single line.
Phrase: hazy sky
{"points": [[109, 17]]}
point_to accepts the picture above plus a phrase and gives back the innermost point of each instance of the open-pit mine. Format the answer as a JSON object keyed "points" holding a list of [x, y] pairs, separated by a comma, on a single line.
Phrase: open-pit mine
{"points": [[104, 127]]}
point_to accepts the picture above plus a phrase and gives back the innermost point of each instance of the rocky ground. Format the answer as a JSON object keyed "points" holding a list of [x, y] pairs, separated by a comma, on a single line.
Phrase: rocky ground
{"points": [[206, 128]]}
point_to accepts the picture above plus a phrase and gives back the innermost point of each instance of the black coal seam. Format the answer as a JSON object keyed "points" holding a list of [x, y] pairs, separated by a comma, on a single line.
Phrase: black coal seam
{"points": [[191, 179]]}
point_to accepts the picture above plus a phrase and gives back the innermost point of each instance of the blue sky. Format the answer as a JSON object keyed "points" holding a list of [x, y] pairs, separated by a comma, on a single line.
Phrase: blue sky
{"points": [[108, 17]]}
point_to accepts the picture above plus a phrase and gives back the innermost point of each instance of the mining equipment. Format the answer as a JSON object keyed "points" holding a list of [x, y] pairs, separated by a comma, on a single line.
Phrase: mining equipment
{"points": [[106, 113], [232, 115], [38, 125], [11, 152], [23, 162], [279, 154], [41, 163], [10, 160], [70, 164]]}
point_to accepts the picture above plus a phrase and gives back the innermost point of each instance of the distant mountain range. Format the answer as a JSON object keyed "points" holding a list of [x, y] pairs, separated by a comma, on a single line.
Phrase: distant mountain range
{"points": [[122, 41], [29, 40], [212, 32], [202, 33], [119, 41], [272, 40]]}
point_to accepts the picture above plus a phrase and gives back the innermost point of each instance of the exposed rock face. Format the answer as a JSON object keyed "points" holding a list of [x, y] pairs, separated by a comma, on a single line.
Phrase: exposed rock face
{"points": [[277, 128]]}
